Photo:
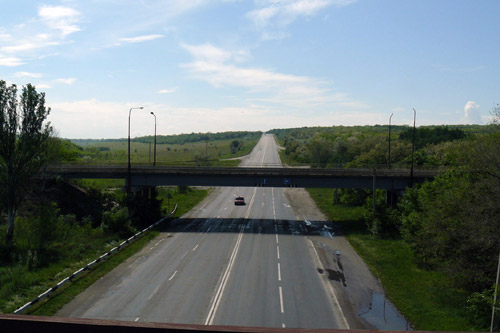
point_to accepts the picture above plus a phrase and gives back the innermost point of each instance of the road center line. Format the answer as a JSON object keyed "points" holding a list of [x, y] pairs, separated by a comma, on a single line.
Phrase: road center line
{"points": [[281, 301], [277, 241], [153, 293], [278, 251], [251, 203], [225, 278], [136, 319], [170, 278], [184, 254], [279, 272], [195, 247]]}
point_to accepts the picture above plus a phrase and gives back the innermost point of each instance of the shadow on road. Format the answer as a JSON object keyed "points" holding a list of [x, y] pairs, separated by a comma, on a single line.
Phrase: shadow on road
{"points": [[253, 226]]}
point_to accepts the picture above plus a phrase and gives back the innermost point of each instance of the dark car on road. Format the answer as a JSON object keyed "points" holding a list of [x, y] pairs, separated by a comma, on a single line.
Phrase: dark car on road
{"points": [[239, 201]]}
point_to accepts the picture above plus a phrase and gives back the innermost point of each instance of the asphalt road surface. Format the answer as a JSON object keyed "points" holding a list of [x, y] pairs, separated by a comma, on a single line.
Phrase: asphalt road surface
{"points": [[259, 264]]}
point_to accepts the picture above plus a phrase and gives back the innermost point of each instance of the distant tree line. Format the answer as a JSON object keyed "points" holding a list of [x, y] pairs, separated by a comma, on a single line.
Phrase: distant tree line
{"points": [[179, 138]]}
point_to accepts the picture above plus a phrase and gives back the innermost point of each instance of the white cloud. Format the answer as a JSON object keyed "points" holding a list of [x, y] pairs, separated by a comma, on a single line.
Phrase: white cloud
{"points": [[43, 86], [215, 66], [27, 46], [60, 18], [10, 61], [273, 16], [166, 91], [472, 113], [140, 39], [67, 81], [27, 74]]}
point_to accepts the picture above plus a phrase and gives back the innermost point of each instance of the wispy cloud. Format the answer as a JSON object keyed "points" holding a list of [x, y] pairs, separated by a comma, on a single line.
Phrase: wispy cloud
{"points": [[166, 91], [67, 81], [10, 61], [272, 17], [216, 66], [27, 46], [140, 39], [28, 74], [63, 19]]}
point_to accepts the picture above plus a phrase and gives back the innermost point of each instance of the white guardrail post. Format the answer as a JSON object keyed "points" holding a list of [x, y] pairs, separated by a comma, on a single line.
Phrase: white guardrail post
{"points": [[89, 265]]}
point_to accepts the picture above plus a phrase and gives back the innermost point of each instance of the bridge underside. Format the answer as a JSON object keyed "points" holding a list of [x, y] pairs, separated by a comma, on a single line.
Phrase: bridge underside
{"points": [[273, 181]]}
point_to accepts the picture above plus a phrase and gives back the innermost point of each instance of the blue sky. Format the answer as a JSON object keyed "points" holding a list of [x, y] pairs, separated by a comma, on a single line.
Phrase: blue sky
{"points": [[207, 65]]}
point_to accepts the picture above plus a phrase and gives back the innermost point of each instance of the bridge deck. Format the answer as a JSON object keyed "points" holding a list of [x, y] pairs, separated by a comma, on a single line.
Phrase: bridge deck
{"points": [[269, 177]]}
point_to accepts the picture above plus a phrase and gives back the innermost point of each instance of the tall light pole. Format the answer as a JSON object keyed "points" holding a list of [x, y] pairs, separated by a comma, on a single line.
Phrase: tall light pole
{"points": [[154, 158], [129, 166], [390, 140], [413, 147]]}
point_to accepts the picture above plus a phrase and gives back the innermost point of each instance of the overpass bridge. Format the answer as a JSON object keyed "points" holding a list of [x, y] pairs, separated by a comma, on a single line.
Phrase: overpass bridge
{"points": [[146, 176]]}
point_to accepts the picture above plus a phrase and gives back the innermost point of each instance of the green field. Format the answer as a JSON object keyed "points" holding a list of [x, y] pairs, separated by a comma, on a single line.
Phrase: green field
{"points": [[211, 153]]}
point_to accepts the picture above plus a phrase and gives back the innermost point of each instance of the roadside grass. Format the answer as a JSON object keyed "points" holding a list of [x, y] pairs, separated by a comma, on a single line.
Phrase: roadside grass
{"points": [[19, 284], [213, 153], [52, 304], [185, 202], [426, 298]]}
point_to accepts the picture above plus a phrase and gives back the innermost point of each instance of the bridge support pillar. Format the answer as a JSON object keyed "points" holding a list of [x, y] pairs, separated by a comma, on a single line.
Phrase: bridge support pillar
{"points": [[392, 197], [143, 206]]}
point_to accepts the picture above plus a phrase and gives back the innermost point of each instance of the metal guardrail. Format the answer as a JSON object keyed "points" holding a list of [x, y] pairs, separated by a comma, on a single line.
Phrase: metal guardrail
{"points": [[90, 265]]}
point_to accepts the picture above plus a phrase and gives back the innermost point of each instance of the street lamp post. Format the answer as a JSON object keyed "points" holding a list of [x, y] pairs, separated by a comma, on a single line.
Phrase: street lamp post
{"points": [[129, 166], [413, 147], [390, 140], [154, 158]]}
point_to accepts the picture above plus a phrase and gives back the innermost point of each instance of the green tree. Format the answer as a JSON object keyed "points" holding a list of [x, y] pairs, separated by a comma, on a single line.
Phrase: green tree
{"points": [[23, 141]]}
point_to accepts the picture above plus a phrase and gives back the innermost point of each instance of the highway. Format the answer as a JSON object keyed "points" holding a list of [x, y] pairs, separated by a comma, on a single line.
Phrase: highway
{"points": [[254, 265]]}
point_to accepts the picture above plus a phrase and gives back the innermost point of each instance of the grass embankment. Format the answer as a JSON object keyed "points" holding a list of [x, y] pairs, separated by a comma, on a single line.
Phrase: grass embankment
{"points": [[20, 283], [426, 298]]}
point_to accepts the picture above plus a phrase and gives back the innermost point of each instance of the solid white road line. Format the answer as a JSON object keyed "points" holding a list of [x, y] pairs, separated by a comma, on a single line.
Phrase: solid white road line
{"points": [[251, 203], [154, 292], [281, 301], [225, 277], [332, 290], [170, 278], [279, 272]]}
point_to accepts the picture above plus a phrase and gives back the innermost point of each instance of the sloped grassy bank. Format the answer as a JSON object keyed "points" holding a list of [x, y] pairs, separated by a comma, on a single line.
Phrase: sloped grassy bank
{"points": [[426, 298]]}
